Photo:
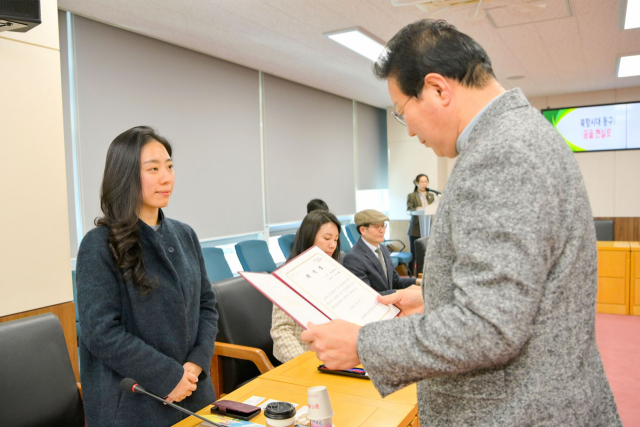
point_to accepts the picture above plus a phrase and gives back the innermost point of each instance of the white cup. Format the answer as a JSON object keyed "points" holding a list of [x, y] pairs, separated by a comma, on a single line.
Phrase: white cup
{"points": [[327, 422], [280, 414], [319, 405]]}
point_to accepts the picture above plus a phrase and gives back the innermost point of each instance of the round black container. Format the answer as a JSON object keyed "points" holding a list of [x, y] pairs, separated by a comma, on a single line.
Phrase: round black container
{"points": [[279, 410]]}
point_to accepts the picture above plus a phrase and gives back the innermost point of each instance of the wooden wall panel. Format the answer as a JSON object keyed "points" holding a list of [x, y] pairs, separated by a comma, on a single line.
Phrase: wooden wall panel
{"points": [[625, 229], [613, 277], [67, 315], [634, 303]]}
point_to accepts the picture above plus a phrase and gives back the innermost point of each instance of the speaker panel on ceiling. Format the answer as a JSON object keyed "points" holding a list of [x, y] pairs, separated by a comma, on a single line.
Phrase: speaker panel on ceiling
{"points": [[19, 15]]}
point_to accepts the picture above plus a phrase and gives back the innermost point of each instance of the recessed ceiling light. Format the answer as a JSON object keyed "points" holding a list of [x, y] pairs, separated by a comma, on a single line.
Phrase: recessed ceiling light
{"points": [[629, 66], [515, 78], [359, 41], [632, 16]]}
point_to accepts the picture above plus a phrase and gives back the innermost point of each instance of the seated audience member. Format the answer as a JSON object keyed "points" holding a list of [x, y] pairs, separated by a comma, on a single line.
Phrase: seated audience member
{"points": [[369, 260], [317, 205], [322, 229]]}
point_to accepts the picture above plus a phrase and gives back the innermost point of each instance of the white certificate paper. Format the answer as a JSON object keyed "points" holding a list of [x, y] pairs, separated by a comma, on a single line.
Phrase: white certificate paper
{"points": [[285, 298], [313, 287], [333, 289]]}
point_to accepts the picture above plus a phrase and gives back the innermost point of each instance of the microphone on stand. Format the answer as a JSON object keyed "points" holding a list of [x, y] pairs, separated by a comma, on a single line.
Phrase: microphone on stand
{"points": [[130, 385]]}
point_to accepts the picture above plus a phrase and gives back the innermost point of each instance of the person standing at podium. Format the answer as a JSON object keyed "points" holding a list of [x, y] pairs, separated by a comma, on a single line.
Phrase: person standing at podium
{"points": [[419, 199], [145, 302]]}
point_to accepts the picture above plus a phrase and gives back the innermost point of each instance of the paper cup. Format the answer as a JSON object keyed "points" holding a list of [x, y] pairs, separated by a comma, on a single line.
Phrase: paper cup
{"points": [[327, 422], [280, 414], [319, 404]]}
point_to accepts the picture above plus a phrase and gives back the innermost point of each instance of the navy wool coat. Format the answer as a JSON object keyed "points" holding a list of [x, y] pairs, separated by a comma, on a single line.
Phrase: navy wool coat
{"points": [[144, 337]]}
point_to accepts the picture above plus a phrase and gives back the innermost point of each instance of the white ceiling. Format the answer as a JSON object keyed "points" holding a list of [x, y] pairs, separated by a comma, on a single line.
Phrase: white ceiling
{"points": [[570, 46]]}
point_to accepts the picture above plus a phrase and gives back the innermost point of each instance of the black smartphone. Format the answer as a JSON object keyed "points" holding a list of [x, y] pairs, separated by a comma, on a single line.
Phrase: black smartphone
{"points": [[354, 372], [236, 410]]}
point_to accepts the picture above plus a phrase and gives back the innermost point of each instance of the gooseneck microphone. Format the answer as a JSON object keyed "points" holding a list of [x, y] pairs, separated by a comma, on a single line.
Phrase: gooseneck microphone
{"points": [[130, 385], [434, 191]]}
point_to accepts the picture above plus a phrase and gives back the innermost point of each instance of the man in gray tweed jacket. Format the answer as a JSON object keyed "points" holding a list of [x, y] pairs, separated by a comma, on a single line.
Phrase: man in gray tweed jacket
{"points": [[503, 333]]}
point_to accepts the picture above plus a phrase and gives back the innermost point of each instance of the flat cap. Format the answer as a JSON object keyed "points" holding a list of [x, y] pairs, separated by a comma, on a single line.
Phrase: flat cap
{"points": [[369, 216]]}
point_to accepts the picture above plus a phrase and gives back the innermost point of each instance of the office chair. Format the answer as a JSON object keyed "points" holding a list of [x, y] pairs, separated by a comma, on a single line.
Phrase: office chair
{"points": [[401, 257], [254, 256], [244, 332], [216, 264], [345, 244], [286, 244], [37, 384], [352, 232], [421, 252], [604, 229]]}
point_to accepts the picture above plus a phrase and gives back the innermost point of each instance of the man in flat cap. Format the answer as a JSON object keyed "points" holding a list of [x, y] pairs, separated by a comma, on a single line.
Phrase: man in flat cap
{"points": [[369, 260]]}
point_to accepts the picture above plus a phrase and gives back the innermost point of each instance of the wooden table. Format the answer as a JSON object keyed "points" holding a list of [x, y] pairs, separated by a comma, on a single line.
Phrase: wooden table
{"points": [[613, 277], [634, 303], [303, 370], [355, 401]]}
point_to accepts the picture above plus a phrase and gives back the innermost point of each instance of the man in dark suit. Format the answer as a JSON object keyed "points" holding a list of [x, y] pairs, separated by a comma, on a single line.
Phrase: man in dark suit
{"points": [[369, 260]]}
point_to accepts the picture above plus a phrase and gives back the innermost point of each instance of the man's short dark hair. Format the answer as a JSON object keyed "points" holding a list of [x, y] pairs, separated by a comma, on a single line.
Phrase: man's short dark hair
{"points": [[362, 225], [429, 46], [317, 205]]}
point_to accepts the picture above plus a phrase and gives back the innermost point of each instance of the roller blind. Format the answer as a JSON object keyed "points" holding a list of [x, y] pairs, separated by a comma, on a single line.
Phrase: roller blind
{"points": [[309, 150], [373, 159], [206, 107]]}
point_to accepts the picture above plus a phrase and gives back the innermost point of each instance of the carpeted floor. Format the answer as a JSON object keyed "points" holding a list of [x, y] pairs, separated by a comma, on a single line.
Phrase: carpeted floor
{"points": [[618, 339]]}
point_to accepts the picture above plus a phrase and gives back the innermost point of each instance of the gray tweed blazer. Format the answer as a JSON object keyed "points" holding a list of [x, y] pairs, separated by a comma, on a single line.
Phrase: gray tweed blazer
{"points": [[507, 337]]}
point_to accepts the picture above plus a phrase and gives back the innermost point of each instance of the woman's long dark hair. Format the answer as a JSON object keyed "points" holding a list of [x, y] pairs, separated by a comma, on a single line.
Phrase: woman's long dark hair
{"points": [[306, 235], [121, 199], [415, 181]]}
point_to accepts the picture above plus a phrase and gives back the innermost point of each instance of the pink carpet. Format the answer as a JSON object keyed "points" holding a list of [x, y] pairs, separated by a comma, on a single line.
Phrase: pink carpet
{"points": [[618, 339]]}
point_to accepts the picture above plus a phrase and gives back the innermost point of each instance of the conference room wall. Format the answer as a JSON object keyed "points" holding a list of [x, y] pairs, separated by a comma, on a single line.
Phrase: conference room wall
{"points": [[34, 256], [212, 111], [408, 158], [612, 178]]}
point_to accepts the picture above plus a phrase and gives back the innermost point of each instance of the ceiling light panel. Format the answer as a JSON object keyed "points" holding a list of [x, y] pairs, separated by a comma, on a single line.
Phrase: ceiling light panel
{"points": [[359, 41], [632, 15], [629, 66]]}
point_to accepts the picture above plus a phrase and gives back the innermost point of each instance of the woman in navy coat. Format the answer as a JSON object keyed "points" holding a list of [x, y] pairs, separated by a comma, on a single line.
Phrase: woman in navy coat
{"points": [[146, 306]]}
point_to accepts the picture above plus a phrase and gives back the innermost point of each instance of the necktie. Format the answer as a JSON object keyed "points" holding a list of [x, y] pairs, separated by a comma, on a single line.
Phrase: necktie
{"points": [[384, 265]]}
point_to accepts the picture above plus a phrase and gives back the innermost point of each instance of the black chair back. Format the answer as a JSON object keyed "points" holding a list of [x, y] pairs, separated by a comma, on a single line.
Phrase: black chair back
{"points": [[421, 251], [37, 385], [244, 319], [604, 229]]}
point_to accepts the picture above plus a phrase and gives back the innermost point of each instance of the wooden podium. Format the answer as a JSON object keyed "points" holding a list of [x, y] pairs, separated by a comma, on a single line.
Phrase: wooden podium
{"points": [[355, 401]]}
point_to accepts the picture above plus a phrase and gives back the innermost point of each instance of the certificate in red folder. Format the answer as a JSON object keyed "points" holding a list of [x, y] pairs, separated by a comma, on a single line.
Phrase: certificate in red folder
{"points": [[313, 287]]}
